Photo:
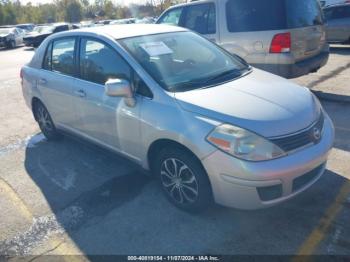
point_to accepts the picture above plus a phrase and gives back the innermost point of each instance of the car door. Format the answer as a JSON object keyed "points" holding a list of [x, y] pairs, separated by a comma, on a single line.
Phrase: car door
{"points": [[103, 119], [56, 81], [338, 23], [201, 18]]}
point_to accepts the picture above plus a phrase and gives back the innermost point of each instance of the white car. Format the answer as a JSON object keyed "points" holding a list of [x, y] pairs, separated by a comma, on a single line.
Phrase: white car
{"points": [[11, 37]]}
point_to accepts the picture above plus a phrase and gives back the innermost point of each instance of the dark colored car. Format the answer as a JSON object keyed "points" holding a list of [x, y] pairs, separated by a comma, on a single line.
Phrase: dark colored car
{"points": [[38, 35], [338, 23]]}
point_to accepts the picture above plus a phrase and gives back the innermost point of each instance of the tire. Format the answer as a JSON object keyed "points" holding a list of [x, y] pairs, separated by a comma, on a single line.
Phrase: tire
{"points": [[47, 126], [11, 44], [183, 179]]}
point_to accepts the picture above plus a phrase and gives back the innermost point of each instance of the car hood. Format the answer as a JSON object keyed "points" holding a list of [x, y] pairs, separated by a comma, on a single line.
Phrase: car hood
{"points": [[260, 102], [4, 35]]}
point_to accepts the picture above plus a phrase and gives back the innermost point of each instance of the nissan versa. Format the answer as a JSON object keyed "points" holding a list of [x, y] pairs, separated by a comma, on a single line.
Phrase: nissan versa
{"points": [[207, 124]]}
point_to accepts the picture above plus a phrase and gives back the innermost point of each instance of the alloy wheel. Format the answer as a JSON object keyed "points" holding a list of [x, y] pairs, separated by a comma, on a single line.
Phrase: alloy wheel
{"points": [[179, 181], [44, 119]]}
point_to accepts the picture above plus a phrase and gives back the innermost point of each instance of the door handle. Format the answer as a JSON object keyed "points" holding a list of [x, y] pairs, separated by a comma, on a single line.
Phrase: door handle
{"points": [[80, 93], [42, 81]]}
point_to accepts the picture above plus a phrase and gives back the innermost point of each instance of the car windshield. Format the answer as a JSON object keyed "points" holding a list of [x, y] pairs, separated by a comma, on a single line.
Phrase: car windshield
{"points": [[5, 31], [44, 29], [183, 61]]}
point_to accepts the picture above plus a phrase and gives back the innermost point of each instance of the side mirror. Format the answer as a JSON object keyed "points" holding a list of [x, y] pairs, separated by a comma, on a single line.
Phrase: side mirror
{"points": [[120, 88]]}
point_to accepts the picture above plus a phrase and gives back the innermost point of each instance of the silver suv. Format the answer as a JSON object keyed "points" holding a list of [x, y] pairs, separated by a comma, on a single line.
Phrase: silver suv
{"points": [[338, 23], [207, 124], [284, 37]]}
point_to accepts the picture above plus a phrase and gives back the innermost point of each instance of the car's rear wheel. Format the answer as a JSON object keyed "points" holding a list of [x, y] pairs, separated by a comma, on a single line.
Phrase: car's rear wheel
{"points": [[45, 122], [183, 179]]}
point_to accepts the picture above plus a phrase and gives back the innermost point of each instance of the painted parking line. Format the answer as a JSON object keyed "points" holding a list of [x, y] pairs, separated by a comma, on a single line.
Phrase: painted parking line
{"points": [[16, 200], [321, 230]]}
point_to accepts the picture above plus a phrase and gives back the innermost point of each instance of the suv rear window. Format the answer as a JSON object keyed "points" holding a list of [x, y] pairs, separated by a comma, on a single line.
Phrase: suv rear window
{"points": [[265, 15]]}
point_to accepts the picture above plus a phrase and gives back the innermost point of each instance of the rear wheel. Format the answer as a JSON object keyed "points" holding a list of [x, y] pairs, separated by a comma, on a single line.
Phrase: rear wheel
{"points": [[45, 122], [183, 179]]}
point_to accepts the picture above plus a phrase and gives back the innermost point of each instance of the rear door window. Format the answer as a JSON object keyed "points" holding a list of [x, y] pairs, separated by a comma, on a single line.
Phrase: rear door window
{"points": [[255, 15], [201, 18], [266, 15], [172, 17], [63, 56]]}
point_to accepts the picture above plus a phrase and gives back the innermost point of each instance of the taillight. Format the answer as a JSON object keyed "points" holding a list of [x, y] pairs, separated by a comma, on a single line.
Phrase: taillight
{"points": [[281, 43]]}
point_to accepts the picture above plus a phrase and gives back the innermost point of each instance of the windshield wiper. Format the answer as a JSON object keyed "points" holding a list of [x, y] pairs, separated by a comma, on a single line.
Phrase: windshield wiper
{"points": [[235, 72]]}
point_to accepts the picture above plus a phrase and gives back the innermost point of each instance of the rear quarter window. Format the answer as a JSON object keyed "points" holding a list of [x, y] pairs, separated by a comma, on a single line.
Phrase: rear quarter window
{"points": [[266, 15]]}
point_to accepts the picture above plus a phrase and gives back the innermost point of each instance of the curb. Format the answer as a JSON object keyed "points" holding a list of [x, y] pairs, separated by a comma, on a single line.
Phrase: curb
{"points": [[332, 97]]}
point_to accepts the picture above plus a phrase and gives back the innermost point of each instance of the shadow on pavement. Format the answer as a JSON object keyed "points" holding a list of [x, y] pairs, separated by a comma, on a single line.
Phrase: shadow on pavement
{"points": [[329, 75], [27, 48], [107, 206], [339, 113]]}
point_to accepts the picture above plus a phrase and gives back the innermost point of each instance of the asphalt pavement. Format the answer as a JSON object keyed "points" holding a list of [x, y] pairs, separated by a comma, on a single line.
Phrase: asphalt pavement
{"points": [[70, 197]]}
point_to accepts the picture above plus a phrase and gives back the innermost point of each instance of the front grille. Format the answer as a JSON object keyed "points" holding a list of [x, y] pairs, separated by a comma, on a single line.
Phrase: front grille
{"points": [[305, 179], [293, 142]]}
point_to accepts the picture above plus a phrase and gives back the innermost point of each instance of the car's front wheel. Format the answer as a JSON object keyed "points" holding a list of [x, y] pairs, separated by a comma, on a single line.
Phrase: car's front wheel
{"points": [[12, 44], [183, 179], [45, 122]]}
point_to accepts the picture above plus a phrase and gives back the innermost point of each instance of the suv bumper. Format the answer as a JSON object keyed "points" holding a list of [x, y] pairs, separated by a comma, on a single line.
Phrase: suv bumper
{"points": [[300, 68]]}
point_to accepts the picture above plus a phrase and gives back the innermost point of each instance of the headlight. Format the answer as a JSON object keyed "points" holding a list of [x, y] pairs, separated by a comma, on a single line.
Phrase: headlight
{"points": [[243, 144]]}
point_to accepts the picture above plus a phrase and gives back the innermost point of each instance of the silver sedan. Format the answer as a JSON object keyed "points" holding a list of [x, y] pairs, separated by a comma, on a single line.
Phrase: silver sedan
{"points": [[209, 126]]}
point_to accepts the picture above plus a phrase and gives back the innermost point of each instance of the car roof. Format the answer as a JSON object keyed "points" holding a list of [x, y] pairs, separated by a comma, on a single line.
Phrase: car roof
{"points": [[130, 30]]}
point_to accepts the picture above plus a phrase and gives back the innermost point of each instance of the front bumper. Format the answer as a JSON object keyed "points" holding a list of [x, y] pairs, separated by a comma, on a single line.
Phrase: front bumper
{"points": [[253, 185], [297, 69]]}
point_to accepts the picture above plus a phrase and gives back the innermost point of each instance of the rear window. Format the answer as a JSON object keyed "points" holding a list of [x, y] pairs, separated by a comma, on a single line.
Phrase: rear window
{"points": [[265, 15]]}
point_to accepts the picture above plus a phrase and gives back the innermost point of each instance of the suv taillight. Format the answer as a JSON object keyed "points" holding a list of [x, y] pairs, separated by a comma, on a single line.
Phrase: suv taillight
{"points": [[281, 43]]}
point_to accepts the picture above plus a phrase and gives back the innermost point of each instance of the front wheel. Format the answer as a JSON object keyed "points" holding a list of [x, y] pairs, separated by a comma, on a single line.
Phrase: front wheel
{"points": [[12, 44], [45, 122], [183, 179]]}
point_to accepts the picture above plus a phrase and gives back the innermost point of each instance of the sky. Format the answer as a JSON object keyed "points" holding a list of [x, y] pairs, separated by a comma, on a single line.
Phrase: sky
{"points": [[124, 2]]}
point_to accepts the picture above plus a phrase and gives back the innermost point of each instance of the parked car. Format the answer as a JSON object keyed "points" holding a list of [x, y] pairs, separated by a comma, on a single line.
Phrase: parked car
{"points": [[284, 37], [338, 23], [10, 37], [207, 124], [37, 36], [325, 3], [26, 27]]}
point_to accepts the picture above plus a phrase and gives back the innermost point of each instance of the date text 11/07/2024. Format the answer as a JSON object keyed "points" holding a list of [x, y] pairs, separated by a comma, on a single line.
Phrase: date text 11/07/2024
{"points": [[173, 258]]}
